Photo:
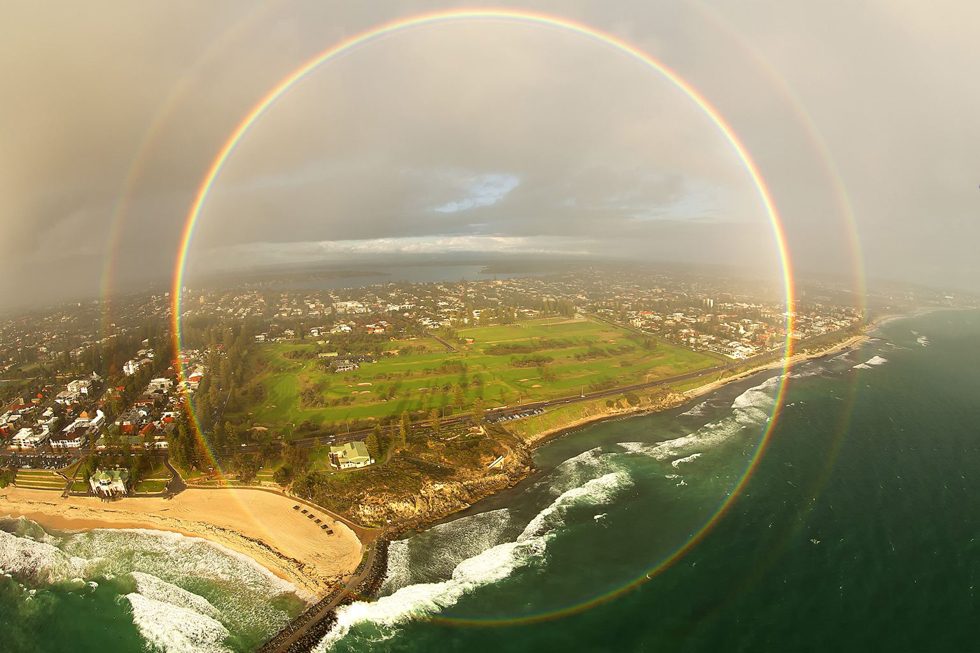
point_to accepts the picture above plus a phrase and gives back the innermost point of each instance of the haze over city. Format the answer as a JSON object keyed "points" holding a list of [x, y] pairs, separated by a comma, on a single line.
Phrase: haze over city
{"points": [[491, 136]]}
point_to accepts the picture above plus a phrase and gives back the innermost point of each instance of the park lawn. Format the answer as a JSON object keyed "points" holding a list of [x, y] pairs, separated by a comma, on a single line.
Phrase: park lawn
{"points": [[428, 380], [150, 486], [39, 479], [684, 386]]}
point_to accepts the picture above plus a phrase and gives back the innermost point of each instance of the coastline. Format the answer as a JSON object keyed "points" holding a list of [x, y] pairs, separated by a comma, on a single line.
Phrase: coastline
{"points": [[262, 526], [679, 399]]}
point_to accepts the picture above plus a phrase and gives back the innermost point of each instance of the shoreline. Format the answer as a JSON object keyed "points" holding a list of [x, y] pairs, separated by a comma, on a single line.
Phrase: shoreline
{"points": [[261, 526], [543, 437]]}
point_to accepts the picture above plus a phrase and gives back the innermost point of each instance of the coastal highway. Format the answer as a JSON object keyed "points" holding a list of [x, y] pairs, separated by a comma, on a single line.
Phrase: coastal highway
{"points": [[747, 363], [550, 403]]}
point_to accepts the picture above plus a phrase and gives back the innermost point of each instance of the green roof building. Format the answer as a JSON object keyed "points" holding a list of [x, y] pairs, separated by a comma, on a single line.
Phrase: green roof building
{"points": [[350, 455], [109, 482]]}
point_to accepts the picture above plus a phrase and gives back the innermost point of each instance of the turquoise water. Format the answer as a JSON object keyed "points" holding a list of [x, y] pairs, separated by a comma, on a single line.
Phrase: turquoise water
{"points": [[109, 590], [856, 532]]}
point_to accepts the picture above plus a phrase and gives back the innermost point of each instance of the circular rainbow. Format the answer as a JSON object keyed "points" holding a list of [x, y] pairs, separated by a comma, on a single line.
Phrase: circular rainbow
{"points": [[547, 21]]}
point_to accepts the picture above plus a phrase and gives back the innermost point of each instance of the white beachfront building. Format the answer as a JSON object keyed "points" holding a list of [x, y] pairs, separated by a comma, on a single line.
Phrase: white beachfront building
{"points": [[109, 483]]}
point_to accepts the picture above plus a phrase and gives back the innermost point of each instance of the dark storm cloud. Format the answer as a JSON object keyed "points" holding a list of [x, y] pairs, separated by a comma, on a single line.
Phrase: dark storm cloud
{"points": [[483, 136]]}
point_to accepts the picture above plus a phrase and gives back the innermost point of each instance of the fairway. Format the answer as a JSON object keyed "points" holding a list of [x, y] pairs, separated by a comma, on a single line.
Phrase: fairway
{"points": [[503, 365]]}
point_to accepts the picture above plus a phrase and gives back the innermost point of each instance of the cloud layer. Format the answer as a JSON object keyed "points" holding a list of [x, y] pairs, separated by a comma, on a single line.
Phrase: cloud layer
{"points": [[495, 136]]}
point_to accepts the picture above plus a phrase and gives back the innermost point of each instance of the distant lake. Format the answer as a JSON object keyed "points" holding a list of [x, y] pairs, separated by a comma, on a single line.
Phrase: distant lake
{"points": [[407, 273]]}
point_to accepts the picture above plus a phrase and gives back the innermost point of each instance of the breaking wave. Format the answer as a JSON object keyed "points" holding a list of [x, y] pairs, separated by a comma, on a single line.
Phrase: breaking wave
{"points": [[686, 459], [175, 629], [156, 589], [487, 567], [597, 491], [184, 593], [411, 561], [697, 411], [874, 361], [751, 409], [579, 469]]}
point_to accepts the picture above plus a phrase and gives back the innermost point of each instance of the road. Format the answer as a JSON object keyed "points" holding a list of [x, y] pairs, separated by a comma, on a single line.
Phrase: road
{"points": [[550, 403]]}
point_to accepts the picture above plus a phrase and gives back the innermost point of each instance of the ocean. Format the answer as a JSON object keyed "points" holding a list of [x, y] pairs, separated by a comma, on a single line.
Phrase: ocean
{"points": [[855, 531]]}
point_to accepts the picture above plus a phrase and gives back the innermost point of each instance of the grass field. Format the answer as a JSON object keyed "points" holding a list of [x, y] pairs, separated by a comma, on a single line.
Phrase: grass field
{"points": [[577, 355], [155, 481], [39, 479], [151, 486]]}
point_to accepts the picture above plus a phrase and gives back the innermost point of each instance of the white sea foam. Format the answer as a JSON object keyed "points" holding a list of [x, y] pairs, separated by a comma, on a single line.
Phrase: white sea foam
{"points": [[434, 554], [175, 629], [40, 561], [751, 409], [597, 491], [697, 411], [158, 589], [399, 573], [686, 459], [922, 340], [577, 470], [238, 589], [874, 361], [489, 566]]}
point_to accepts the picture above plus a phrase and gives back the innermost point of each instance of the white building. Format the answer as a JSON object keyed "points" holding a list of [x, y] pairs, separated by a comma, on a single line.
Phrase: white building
{"points": [[26, 438]]}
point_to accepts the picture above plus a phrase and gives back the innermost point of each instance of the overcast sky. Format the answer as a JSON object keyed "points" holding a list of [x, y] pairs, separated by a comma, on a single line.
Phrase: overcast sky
{"points": [[489, 136]]}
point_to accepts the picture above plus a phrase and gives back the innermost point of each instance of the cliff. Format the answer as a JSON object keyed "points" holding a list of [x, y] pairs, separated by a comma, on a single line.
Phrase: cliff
{"points": [[439, 498]]}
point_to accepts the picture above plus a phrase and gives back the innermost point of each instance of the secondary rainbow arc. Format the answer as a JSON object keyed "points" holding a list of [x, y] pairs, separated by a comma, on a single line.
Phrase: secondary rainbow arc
{"points": [[547, 21]]}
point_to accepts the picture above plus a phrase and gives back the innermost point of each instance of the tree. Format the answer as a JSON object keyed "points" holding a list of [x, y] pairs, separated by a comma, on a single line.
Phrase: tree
{"points": [[373, 443], [246, 468], [403, 429], [283, 475], [434, 420], [297, 458], [479, 411], [458, 396]]}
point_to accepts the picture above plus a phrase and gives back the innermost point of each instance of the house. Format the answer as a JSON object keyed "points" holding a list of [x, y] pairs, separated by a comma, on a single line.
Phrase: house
{"points": [[109, 483], [69, 440], [159, 385], [26, 438], [131, 367], [351, 455]]}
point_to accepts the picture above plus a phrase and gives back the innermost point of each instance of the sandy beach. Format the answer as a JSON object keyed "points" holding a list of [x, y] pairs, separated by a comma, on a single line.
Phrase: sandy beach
{"points": [[260, 525]]}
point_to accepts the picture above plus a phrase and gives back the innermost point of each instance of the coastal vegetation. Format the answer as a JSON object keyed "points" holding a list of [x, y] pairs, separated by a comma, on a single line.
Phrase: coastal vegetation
{"points": [[290, 389]]}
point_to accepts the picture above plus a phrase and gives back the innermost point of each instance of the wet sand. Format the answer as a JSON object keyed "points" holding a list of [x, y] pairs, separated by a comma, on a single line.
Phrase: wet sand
{"points": [[260, 525]]}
